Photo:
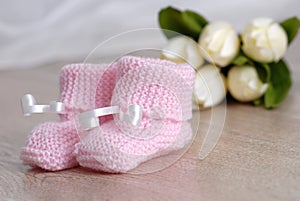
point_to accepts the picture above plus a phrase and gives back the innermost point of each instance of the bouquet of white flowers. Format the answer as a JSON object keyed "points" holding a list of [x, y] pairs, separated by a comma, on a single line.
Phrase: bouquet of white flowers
{"points": [[249, 64]]}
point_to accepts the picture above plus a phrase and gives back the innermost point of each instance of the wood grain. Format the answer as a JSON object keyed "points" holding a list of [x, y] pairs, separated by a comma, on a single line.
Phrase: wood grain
{"points": [[257, 157]]}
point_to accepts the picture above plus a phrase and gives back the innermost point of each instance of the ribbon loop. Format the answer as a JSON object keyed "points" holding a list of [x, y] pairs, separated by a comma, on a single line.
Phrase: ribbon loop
{"points": [[29, 106], [89, 119]]}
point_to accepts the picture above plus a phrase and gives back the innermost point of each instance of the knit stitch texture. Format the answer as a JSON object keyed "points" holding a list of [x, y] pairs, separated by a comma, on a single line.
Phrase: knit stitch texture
{"points": [[51, 145], [164, 90]]}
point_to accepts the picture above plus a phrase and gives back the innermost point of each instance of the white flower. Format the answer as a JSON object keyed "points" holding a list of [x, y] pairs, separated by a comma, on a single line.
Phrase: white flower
{"points": [[182, 49], [264, 40], [220, 43], [244, 83], [209, 88]]}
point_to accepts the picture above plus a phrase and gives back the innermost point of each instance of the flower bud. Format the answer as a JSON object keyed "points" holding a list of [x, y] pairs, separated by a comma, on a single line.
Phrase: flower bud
{"points": [[264, 40], [209, 88], [244, 83], [220, 43], [182, 49]]}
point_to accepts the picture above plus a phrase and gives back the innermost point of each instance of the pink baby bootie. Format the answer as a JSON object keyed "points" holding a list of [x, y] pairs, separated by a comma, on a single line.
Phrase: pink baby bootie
{"points": [[152, 100], [51, 145]]}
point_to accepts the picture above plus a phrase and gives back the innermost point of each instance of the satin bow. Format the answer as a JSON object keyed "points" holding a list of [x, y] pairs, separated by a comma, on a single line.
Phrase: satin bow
{"points": [[90, 120], [29, 106], [133, 115]]}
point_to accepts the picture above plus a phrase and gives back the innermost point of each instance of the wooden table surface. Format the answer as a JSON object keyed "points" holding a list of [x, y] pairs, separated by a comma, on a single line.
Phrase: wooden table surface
{"points": [[257, 157]]}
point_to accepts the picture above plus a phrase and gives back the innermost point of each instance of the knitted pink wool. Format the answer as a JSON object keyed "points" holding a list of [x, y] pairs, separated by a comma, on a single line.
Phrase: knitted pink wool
{"points": [[164, 90], [51, 145]]}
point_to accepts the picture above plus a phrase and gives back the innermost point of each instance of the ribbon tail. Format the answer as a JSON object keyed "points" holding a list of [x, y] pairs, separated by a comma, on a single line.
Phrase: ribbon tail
{"points": [[29, 106]]}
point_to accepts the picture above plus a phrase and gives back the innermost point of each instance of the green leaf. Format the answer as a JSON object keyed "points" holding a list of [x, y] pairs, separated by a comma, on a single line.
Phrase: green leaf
{"points": [[279, 85], [193, 20], [170, 19], [291, 27], [258, 101], [263, 71], [264, 74], [188, 23], [241, 59]]}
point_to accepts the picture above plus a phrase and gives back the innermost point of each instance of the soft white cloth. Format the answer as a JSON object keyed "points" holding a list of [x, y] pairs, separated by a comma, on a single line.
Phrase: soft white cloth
{"points": [[34, 32]]}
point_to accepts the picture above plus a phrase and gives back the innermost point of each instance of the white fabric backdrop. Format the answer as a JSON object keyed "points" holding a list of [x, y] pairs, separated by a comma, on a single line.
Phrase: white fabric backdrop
{"points": [[34, 32]]}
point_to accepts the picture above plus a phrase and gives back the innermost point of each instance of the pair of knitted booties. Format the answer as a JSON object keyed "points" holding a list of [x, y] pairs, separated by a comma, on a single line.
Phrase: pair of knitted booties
{"points": [[159, 92]]}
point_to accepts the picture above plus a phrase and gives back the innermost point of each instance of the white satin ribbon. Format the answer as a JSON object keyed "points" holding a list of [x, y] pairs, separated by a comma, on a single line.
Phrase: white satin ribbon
{"points": [[29, 106], [90, 120]]}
